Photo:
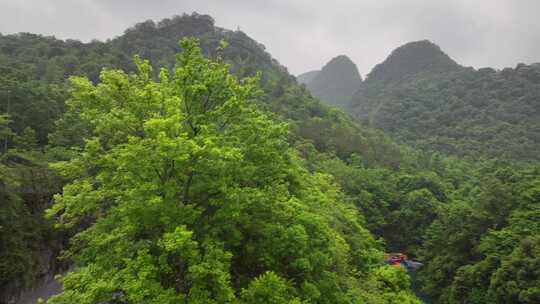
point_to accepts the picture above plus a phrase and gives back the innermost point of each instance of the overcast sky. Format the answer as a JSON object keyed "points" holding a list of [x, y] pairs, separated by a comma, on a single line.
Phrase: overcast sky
{"points": [[304, 34]]}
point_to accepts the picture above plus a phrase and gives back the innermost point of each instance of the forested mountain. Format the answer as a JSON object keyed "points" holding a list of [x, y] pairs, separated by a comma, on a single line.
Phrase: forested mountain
{"points": [[410, 60], [37, 62], [189, 183], [335, 83], [420, 96]]}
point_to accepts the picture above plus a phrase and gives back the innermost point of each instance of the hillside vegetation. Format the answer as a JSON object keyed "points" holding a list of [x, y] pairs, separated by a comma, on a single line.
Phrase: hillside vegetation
{"points": [[421, 97]]}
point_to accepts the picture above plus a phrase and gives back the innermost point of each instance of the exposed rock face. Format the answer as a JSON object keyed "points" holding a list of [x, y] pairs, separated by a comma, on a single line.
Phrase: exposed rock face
{"points": [[44, 284], [44, 290]]}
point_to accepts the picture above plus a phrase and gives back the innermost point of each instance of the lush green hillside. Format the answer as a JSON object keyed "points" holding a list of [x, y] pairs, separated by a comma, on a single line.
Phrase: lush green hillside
{"points": [[484, 247], [31, 63], [335, 83], [421, 97]]}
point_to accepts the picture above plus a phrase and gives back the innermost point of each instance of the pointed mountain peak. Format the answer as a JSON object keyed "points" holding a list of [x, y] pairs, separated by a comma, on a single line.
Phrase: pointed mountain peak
{"points": [[344, 65], [413, 58], [336, 82]]}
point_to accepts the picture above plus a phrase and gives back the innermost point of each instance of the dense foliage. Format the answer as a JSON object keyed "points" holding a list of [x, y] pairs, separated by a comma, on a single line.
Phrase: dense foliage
{"points": [[33, 93], [421, 97], [188, 193], [474, 226], [484, 247]]}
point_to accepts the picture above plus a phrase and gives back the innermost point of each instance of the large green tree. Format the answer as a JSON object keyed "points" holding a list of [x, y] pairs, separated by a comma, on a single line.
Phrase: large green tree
{"points": [[183, 191]]}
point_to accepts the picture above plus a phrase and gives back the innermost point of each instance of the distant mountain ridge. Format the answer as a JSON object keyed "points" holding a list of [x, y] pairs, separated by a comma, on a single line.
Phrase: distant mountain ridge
{"points": [[420, 96]]}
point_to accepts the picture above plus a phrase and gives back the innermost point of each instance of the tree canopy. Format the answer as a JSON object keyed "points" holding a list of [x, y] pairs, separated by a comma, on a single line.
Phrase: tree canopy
{"points": [[189, 193]]}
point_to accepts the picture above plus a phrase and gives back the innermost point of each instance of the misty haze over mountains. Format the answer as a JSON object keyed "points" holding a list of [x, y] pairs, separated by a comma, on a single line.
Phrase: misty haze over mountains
{"points": [[310, 33]]}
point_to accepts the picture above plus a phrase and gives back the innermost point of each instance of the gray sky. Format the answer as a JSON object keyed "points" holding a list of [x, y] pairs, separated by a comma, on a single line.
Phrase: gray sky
{"points": [[304, 34]]}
